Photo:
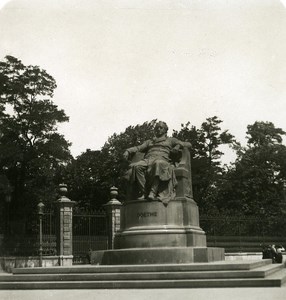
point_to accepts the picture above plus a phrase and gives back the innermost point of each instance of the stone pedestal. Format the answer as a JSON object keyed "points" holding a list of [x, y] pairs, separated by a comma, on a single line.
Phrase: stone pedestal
{"points": [[64, 228], [146, 224], [152, 233], [163, 255], [155, 233]]}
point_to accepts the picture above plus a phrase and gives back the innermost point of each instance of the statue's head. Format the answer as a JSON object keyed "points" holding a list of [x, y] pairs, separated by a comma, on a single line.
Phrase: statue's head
{"points": [[160, 128]]}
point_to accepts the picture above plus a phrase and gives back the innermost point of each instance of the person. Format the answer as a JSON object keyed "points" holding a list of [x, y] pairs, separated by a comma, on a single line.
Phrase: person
{"points": [[154, 175], [279, 255], [273, 252]]}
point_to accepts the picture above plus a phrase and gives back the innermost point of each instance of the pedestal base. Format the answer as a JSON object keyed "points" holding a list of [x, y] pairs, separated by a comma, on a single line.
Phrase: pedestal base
{"points": [[167, 255], [149, 224], [152, 233]]}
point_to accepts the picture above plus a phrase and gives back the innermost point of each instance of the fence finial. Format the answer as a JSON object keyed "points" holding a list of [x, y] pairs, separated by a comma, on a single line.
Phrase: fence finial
{"points": [[113, 193], [63, 190]]}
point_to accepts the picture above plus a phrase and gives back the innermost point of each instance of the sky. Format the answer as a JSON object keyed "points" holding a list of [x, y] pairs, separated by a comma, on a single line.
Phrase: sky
{"points": [[123, 62]]}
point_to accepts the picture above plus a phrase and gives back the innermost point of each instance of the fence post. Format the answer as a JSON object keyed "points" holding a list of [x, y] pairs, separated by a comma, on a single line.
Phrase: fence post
{"points": [[64, 227], [40, 214], [112, 208]]}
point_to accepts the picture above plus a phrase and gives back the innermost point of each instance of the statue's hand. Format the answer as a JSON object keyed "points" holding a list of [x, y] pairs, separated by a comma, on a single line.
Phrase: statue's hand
{"points": [[126, 155], [188, 145], [176, 149]]}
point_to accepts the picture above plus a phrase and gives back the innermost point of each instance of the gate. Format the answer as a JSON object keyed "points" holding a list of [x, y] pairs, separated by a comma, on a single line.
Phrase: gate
{"points": [[89, 233]]}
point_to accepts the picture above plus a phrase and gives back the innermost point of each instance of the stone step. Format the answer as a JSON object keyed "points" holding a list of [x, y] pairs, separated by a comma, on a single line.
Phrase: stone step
{"points": [[215, 266], [280, 275], [272, 281], [223, 274], [260, 272]]}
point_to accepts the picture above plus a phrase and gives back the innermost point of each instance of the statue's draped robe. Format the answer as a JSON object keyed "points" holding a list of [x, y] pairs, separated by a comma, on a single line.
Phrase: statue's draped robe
{"points": [[156, 163]]}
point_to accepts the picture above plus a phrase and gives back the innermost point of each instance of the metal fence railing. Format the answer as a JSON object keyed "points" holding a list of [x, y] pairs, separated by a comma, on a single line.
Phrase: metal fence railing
{"points": [[89, 232], [235, 234], [242, 234]]}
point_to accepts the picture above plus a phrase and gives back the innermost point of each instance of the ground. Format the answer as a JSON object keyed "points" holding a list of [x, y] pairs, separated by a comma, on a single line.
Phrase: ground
{"points": [[149, 294]]}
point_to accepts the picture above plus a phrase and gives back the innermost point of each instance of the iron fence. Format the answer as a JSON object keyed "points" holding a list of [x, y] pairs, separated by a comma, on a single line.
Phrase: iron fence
{"points": [[235, 234], [49, 232], [89, 233], [242, 234]]}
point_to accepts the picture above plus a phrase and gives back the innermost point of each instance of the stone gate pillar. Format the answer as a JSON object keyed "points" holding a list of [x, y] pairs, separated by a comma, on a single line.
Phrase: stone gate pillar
{"points": [[64, 227], [112, 209]]}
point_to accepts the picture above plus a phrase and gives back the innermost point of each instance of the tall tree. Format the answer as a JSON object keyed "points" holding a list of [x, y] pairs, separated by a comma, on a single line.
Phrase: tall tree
{"points": [[206, 155], [255, 184], [31, 149]]}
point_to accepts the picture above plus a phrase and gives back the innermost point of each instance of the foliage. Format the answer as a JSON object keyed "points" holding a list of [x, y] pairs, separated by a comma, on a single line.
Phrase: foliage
{"points": [[31, 149], [93, 173], [83, 176], [206, 156], [255, 184], [264, 134]]}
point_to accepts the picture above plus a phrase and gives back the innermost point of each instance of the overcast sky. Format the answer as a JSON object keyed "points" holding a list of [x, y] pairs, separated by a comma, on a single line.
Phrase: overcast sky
{"points": [[120, 63]]}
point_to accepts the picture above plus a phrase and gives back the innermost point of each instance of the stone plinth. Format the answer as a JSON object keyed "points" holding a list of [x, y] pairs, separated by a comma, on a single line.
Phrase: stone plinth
{"points": [[152, 233], [164, 255], [146, 224]]}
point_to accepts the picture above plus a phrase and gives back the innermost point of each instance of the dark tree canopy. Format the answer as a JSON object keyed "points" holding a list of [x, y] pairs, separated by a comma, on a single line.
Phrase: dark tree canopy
{"points": [[255, 184], [31, 149], [263, 134], [206, 155]]}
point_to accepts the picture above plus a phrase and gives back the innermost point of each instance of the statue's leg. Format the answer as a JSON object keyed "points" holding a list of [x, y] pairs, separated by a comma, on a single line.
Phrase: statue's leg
{"points": [[154, 188], [160, 175], [139, 170], [154, 173]]}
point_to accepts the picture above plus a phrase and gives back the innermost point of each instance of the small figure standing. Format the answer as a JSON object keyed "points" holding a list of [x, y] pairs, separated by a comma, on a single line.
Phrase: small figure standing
{"points": [[279, 255], [153, 176]]}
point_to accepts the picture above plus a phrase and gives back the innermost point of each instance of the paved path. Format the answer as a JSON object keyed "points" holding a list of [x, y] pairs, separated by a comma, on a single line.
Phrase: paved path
{"points": [[149, 294]]}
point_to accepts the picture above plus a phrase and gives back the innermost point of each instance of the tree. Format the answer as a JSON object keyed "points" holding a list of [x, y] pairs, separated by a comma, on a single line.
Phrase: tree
{"points": [[255, 184], [83, 176], [207, 170], [264, 134], [93, 173], [31, 149]]}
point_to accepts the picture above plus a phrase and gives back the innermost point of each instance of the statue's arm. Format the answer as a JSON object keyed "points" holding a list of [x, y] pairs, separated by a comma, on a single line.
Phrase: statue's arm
{"points": [[187, 145], [180, 145], [135, 149]]}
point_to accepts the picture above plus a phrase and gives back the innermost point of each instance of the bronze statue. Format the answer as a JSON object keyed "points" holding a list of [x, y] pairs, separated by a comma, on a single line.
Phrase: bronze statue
{"points": [[153, 176]]}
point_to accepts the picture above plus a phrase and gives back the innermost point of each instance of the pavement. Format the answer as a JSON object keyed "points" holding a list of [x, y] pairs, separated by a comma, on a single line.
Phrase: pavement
{"points": [[149, 294]]}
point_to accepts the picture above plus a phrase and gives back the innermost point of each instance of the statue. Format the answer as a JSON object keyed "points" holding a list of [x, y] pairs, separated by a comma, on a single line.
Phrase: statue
{"points": [[159, 221], [153, 177]]}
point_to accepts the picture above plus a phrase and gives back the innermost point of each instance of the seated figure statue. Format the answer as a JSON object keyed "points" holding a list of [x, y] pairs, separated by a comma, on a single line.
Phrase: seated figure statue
{"points": [[153, 176]]}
